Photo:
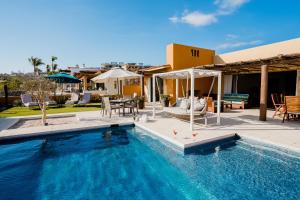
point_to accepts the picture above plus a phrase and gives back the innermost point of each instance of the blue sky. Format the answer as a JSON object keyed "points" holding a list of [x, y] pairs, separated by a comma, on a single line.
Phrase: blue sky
{"points": [[91, 32]]}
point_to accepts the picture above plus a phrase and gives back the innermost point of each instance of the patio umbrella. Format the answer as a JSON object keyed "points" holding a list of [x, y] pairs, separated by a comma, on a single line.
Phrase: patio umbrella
{"points": [[63, 78], [115, 73]]}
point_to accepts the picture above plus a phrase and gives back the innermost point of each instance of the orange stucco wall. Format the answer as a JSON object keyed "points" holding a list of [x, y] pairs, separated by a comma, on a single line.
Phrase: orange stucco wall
{"points": [[184, 57], [128, 90]]}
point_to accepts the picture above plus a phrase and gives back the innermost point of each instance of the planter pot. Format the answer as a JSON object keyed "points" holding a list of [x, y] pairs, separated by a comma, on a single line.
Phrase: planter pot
{"points": [[165, 103], [141, 104]]}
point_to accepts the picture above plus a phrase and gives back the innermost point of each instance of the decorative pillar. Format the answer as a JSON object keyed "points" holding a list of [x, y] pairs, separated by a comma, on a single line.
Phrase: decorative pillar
{"points": [[298, 83], [263, 93]]}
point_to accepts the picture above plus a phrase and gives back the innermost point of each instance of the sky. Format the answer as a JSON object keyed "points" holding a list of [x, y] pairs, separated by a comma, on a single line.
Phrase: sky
{"points": [[92, 32]]}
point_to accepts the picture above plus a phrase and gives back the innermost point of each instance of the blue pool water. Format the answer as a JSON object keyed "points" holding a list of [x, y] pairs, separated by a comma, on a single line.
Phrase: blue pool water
{"points": [[125, 163]]}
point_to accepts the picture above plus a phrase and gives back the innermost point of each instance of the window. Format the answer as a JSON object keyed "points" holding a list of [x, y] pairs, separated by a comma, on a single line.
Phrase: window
{"points": [[195, 53]]}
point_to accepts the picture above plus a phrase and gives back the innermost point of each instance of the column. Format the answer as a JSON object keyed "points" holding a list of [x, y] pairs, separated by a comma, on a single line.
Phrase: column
{"points": [[153, 95], [142, 86], [176, 89], [263, 93], [219, 98], [84, 83], [298, 83]]}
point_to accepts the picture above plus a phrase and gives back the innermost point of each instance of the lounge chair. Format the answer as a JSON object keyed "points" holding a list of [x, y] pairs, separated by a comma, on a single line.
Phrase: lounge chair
{"points": [[292, 107], [279, 105], [184, 114], [85, 99], [27, 101], [107, 107], [74, 98]]}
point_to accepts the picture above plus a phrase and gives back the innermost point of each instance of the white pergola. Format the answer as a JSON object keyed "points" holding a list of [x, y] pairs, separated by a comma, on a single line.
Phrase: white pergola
{"points": [[192, 74]]}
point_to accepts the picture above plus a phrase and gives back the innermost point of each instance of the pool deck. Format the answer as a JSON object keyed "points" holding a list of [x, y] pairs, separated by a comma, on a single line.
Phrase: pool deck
{"points": [[242, 122]]}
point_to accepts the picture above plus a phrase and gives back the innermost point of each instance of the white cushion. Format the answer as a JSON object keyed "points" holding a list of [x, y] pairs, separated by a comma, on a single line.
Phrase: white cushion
{"points": [[184, 104], [199, 104], [178, 102]]}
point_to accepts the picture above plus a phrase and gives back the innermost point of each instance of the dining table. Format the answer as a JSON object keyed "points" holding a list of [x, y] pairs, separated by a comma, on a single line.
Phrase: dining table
{"points": [[121, 102]]}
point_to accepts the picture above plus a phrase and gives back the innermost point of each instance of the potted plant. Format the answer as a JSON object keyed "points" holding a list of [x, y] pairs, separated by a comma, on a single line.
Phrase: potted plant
{"points": [[165, 100], [140, 100]]}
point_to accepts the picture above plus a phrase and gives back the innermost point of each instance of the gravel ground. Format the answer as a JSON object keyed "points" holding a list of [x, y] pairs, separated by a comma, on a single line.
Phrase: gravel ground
{"points": [[25, 123]]}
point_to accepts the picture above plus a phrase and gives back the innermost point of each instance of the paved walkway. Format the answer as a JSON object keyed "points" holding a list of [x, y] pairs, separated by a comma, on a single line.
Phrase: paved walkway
{"points": [[242, 122]]}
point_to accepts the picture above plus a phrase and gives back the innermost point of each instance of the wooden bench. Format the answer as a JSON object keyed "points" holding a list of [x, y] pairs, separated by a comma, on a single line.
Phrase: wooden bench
{"points": [[292, 107], [236, 100]]}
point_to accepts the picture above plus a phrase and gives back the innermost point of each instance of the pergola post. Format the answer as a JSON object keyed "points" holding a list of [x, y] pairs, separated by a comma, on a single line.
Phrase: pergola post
{"points": [[153, 95], [187, 87], [192, 99], [142, 85], [263, 93], [219, 98], [298, 83], [176, 92]]}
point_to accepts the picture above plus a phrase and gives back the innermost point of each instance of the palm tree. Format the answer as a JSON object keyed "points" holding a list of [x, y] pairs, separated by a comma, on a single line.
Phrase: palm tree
{"points": [[53, 65], [35, 62], [48, 69]]}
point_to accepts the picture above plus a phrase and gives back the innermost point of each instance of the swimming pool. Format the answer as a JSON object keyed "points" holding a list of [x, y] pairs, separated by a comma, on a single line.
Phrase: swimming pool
{"points": [[126, 163]]}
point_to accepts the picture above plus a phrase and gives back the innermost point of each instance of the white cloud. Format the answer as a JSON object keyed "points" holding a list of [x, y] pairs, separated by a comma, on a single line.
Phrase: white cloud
{"points": [[231, 45], [195, 18], [174, 19], [226, 7], [198, 18], [231, 36]]}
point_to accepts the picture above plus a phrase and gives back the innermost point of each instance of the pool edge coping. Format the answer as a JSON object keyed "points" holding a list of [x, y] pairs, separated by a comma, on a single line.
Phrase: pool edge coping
{"points": [[53, 132], [279, 146]]}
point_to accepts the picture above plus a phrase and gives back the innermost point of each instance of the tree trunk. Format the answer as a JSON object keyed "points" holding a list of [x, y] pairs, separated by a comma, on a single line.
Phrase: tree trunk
{"points": [[6, 94], [44, 114]]}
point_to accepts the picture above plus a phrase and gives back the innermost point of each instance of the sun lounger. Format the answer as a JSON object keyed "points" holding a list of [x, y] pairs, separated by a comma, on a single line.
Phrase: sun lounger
{"points": [[27, 101], [74, 98], [85, 99]]}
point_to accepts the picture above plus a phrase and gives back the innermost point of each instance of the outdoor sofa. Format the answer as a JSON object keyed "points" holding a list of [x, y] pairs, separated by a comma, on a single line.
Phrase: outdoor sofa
{"points": [[181, 109], [236, 100]]}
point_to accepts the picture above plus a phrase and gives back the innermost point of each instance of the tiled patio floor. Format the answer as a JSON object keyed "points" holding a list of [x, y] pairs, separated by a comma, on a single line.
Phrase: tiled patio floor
{"points": [[242, 122]]}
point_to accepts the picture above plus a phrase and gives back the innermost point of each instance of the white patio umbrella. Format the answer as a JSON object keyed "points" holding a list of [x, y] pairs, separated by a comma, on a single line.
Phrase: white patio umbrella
{"points": [[116, 73]]}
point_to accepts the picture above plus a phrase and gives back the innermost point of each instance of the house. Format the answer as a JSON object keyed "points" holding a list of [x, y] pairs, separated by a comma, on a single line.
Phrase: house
{"points": [[274, 67]]}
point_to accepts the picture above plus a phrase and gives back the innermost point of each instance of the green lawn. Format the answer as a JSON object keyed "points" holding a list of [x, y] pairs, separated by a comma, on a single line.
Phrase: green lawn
{"points": [[24, 111]]}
